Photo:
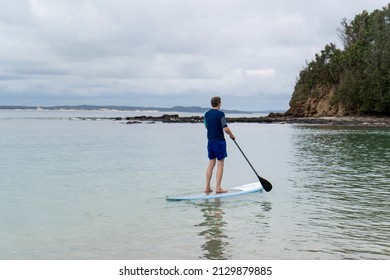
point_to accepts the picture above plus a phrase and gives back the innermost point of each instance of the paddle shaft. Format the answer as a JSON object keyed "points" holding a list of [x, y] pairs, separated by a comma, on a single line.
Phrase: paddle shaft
{"points": [[266, 185], [246, 158]]}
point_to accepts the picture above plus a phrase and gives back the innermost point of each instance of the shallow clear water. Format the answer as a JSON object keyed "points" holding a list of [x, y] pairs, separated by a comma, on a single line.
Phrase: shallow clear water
{"points": [[73, 189]]}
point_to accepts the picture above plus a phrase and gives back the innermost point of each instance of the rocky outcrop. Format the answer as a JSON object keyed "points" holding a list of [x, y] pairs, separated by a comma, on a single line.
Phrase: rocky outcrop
{"points": [[278, 118], [320, 103]]}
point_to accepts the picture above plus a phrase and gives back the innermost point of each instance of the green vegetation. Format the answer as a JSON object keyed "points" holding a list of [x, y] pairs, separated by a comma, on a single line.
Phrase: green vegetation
{"points": [[359, 75]]}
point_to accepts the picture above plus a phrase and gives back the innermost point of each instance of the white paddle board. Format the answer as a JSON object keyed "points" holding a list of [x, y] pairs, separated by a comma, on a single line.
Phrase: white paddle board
{"points": [[240, 190]]}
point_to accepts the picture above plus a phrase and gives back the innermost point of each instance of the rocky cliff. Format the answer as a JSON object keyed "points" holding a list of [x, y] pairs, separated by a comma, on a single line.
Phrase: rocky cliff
{"points": [[320, 103]]}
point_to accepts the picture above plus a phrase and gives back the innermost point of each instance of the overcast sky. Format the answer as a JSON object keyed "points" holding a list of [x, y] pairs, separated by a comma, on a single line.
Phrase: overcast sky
{"points": [[163, 52]]}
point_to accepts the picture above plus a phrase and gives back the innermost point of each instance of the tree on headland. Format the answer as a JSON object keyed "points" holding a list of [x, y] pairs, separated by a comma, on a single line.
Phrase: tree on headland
{"points": [[358, 76]]}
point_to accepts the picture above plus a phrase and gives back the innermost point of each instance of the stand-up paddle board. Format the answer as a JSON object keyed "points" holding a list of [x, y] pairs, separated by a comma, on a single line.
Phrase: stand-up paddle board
{"points": [[241, 190]]}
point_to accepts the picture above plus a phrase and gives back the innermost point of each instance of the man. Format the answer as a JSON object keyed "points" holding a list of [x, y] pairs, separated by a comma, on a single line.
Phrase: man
{"points": [[216, 125]]}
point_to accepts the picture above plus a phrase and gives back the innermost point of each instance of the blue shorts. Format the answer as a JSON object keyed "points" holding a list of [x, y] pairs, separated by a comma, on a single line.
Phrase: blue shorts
{"points": [[216, 149]]}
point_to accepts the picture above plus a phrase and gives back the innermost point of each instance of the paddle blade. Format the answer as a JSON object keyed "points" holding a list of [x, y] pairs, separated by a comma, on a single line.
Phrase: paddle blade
{"points": [[267, 186]]}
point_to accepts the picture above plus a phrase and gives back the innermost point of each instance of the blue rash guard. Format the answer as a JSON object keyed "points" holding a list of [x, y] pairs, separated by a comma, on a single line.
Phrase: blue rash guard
{"points": [[215, 121]]}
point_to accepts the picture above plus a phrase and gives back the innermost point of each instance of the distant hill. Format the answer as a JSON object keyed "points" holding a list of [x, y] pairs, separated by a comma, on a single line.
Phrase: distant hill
{"points": [[184, 109]]}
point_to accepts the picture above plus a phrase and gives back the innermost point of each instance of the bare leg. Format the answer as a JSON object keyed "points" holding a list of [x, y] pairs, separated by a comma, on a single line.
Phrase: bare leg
{"points": [[220, 166], [209, 174]]}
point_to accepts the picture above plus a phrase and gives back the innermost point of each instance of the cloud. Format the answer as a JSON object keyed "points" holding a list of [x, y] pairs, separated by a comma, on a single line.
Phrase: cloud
{"points": [[168, 51]]}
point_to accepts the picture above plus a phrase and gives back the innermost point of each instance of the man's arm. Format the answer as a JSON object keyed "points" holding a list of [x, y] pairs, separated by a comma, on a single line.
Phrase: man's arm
{"points": [[229, 132]]}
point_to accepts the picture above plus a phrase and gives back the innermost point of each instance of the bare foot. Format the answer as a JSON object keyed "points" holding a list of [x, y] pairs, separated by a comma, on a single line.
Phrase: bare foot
{"points": [[220, 190], [208, 191]]}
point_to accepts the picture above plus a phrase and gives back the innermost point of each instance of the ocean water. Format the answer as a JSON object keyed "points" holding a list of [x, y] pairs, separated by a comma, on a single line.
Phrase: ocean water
{"points": [[73, 189]]}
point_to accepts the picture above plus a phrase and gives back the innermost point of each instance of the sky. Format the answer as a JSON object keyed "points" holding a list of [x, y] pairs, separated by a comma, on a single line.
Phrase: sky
{"points": [[163, 53]]}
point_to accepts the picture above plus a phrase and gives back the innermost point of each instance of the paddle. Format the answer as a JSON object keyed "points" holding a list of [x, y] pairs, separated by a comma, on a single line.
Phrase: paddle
{"points": [[267, 186]]}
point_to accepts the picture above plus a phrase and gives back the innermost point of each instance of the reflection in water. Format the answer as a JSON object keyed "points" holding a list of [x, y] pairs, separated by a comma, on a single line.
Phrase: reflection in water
{"points": [[250, 218], [343, 176], [215, 246], [266, 206], [261, 222]]}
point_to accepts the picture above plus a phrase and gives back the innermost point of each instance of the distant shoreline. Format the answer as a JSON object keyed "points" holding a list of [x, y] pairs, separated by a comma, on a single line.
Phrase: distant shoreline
{"points": [[179, 109]]}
